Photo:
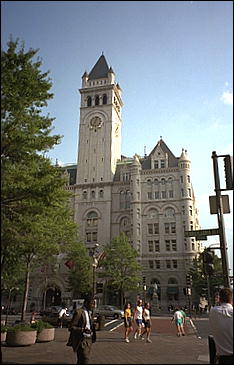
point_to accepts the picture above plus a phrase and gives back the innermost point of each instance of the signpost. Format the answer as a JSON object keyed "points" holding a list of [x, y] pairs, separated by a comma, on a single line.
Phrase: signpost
{"points": [[202, 234]]}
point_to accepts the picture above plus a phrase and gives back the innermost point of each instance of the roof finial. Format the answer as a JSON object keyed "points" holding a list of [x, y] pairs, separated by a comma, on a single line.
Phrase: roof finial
{"points": [[102, 53]]}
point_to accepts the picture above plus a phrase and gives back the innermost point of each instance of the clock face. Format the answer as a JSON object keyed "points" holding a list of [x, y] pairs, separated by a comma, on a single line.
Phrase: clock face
{"points": [[95, 122]]}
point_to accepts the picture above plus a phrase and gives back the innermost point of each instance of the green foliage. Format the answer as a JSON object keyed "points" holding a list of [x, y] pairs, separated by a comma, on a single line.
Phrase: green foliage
{"points": [[200, 279], [36, 217], [120, 266], [40, 325], [4, 328], [20, 327], [80, 275]]}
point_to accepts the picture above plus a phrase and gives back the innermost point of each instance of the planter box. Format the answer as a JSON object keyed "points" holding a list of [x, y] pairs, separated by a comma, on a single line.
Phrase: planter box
{"points": [[21, 338], [3, 336], [46, 335]]}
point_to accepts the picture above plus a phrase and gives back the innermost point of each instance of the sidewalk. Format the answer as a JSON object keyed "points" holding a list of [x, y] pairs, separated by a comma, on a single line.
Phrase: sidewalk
{"points": [[111, 349]]}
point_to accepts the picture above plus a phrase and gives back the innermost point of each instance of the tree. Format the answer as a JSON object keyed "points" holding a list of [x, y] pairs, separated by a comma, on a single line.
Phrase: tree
{"points": [[199, 279], [36, 218], [120, 266], [80, 265]]}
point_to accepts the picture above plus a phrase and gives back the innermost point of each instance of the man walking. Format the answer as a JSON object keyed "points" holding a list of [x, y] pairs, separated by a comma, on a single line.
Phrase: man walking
{"points": [[221, 325], [83, 332]]}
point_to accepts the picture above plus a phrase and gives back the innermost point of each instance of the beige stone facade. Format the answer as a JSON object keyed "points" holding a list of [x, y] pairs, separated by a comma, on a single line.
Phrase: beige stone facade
{"points": [[150, 198]]}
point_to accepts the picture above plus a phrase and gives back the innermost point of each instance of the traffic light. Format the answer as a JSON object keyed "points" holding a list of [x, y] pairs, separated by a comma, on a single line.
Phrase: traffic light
{"points": [[188, 279], [208, 259], [228, 172]]}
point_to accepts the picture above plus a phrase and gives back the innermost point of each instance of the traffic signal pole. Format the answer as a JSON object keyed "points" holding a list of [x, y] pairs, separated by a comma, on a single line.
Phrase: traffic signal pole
{"points": [[222, 236]]}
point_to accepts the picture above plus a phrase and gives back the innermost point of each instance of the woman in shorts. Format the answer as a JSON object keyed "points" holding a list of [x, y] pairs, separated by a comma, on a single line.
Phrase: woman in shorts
{"points": [[127, 321]]}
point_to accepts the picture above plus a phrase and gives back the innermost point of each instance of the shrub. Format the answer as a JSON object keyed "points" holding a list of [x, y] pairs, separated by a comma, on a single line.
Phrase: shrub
{"points": [[4, 328], [20, 327], [40, 325]]}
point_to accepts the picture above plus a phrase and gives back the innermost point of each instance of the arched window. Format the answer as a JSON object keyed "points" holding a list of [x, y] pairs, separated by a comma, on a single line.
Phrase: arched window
{"points": [[89, 101], [101, 193], [148, 181], [163, 181], [156, 181], [92, 219], [169, 212], [97, 100], [104, 99], [152, 213]]}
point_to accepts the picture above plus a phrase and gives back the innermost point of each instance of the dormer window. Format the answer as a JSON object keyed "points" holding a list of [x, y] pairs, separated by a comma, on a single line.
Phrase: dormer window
{"points": [[162, 164]]}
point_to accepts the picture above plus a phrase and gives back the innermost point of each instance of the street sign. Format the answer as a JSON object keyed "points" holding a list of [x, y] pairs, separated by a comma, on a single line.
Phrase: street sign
{"points": [[213, 204], [201, 233]]}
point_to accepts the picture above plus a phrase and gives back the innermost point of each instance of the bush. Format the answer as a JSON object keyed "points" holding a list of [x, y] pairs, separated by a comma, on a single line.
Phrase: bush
{"points": [[40, 325], [4, 328], [20, 327]]}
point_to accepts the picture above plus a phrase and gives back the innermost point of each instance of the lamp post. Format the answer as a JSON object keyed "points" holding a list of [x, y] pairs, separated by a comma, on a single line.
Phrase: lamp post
{"points": [[94, 265]]}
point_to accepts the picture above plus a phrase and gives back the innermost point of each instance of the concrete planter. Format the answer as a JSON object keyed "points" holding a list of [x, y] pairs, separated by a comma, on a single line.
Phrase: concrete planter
{"points": [[21, 338], [46, 335], [3, 336]]}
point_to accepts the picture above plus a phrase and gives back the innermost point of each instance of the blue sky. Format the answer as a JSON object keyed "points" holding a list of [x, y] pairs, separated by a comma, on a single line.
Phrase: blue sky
{"points": [[173, 61]]}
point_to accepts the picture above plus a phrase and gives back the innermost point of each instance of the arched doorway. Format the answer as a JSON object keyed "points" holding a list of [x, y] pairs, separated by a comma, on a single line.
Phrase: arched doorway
{"points": [[52, 297]]}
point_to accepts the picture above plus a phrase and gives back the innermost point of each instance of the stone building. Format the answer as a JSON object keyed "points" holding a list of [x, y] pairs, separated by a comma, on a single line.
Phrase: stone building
{"points": [[150, 198]]}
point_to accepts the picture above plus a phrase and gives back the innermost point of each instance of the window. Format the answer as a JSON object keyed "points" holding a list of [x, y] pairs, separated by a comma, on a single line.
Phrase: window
{"points": [[101, 193], [156, 194], [152, 213], [156, 164], [173, 245], [163, 195], [84, 194], [167, 227], [188, 178], [163, 181], [168, 246], [190, 210], [150, 228], [150, 246], [182, 192], [92, 219], [104, 99], [151, 264], [89, 101], [163, 164], [169, 212], [171, 195], [148, 182], [96, 100], [156, 246], [189, 192], [157, 264], [149, 195], [173, 227], [181, 179], [170, 227], [93, 194], [156, 228], [156, 181]]}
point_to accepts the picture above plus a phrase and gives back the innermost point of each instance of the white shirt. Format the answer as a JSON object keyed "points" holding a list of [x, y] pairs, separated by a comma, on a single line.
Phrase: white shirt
{"points": [[62, 312], [221, 326], [146, 314], [178, 315], [139, 310]]}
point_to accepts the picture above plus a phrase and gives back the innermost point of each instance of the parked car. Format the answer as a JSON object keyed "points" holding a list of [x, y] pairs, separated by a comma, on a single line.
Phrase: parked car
{"points": [[108, 311]]}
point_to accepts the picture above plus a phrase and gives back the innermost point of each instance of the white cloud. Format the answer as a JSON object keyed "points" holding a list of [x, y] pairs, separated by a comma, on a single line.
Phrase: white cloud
{"points": [[227, 97]]}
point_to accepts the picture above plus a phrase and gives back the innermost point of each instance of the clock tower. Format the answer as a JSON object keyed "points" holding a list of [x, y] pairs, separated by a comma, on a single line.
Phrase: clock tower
{"points": [[100, 125]]}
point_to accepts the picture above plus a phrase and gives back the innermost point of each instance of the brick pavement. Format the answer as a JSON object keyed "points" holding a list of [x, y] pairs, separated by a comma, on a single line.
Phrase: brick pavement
{"points": [[110, 348]]}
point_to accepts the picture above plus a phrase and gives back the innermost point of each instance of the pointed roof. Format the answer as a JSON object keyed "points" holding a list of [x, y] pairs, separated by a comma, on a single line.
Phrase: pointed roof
{"points": [[172, 160], [100, 69]]}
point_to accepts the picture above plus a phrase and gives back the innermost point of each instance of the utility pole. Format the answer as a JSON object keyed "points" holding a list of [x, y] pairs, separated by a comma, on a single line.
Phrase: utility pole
{"points": [[222, 236]]}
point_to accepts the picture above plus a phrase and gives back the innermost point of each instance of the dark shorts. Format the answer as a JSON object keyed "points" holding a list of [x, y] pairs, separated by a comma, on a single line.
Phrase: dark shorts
{"points": [[147, 324], [138, 321], [128, 322]]}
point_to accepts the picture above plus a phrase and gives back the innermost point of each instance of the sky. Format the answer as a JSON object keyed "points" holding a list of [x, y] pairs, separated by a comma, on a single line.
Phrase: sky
{"points": [[173, 61]]}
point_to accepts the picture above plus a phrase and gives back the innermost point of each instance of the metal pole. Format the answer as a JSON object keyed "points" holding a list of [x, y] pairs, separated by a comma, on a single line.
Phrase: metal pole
{"points": [[208, 291], [223, 244]]}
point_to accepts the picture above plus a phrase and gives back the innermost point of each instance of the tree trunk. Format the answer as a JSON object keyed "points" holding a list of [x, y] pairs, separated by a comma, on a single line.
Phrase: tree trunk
{"points": [[26, 289]]}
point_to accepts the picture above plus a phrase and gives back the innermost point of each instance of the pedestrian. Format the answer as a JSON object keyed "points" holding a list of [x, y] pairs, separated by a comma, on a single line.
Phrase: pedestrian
{"points": [[127, 321], [33, 317], [138, 319], [82, 331], [147, 321], [61, 315], [221, 326], [179, 321]]}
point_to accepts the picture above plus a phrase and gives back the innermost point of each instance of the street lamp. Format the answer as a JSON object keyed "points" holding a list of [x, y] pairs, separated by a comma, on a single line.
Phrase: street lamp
{"points": [[94, 265]]}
